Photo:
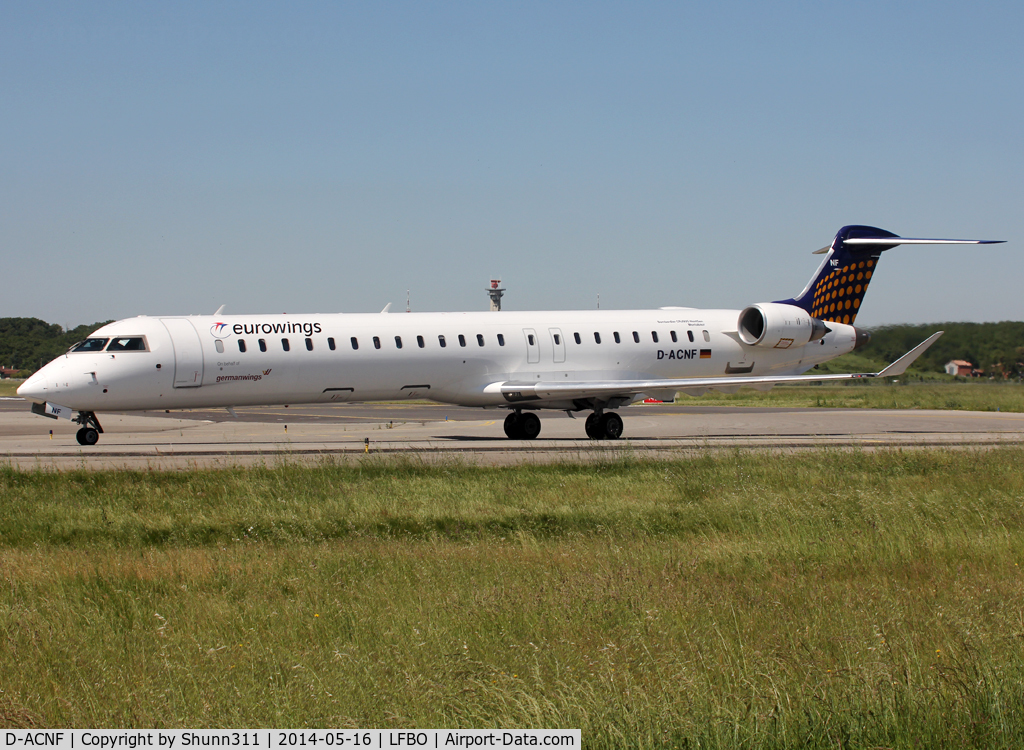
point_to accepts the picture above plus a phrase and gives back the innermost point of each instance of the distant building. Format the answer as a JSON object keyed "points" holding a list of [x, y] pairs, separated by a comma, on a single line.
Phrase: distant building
{"points": [[960, 367], [7, 372], [495, 293]]}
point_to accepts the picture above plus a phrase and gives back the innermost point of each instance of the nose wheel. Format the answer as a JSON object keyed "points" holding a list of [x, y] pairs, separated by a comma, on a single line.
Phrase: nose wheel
{"points": [[603, 426], [88, 436], [91, 429]]}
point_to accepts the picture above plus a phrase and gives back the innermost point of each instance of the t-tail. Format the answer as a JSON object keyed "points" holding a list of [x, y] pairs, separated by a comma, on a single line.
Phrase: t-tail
{"points": [[836, 291]]}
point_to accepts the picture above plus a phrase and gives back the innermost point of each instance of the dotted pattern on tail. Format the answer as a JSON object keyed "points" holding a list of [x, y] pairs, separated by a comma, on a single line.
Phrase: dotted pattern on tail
{"points": [[837, 295]]}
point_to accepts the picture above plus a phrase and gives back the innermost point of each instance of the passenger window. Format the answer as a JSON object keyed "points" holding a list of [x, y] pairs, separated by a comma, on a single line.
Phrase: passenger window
{"points": [[285, 345], [420, 342], [558, 340], [673, 335], [398, 342], [441, 341], [219, 346], [707, 336], [480, 339], [355, 342], [636, 337], [127, 344], [263, 345], [462, 340], [501, 339], [309, 344], [241, 345], [617, 339], [689, 335], [597, 337], [577, 337], [654, 336], [529, 339], [330, 344], [376, 342], [90, 345]]}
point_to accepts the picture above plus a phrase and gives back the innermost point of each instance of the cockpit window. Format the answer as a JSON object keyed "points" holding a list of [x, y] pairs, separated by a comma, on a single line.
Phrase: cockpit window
{"points": [[127, 344], [90, 345]]}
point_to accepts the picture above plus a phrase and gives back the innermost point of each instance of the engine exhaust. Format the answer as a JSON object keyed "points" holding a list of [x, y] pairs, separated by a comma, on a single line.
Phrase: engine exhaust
{"points": [[863, 337]]}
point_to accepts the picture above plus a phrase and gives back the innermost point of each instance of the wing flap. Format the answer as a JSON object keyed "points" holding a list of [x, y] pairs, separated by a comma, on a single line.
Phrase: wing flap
{"points": [[521, 392]]}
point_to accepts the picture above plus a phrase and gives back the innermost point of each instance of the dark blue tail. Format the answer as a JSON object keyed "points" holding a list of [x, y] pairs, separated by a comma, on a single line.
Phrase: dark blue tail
{"points": [[836, 290]]}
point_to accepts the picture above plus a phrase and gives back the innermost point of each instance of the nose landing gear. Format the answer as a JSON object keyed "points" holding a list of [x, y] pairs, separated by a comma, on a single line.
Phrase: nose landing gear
{"points": [[91, 429]]}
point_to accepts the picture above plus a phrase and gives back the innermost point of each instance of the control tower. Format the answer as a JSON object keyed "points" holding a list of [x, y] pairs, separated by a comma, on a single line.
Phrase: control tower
{"points": [[495, 293]]}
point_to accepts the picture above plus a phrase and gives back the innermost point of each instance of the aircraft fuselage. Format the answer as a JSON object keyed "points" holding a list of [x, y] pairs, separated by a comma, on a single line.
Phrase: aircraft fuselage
{"points": [[237, 360]]}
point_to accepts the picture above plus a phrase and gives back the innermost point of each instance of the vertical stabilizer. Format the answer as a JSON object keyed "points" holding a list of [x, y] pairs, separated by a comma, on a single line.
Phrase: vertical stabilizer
{"points": [[837, 289]]}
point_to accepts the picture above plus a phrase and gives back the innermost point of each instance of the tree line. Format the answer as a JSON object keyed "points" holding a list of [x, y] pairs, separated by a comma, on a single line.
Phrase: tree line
{"points": [[996, 348], [26, 344]]}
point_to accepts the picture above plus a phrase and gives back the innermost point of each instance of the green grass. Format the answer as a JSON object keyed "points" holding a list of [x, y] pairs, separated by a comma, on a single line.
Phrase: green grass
{"points": [[9, 387], [987, 396], [747, 600]]}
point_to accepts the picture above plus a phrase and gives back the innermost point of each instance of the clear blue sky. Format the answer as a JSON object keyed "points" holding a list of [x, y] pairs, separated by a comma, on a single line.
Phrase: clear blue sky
{"points": [[319, 157]]}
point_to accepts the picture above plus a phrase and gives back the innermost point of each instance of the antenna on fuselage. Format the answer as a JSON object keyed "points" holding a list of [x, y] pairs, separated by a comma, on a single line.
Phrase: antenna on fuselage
{"points": [[220, 310]]}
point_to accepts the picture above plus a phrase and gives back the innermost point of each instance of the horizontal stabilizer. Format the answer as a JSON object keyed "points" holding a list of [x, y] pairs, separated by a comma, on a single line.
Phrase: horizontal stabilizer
{"points": [[893, 241], [836, 291]]}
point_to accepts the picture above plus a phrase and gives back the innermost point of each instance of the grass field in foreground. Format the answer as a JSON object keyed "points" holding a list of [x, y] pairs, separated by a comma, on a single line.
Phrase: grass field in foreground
{"points": [[985, 396], [747, 600]]}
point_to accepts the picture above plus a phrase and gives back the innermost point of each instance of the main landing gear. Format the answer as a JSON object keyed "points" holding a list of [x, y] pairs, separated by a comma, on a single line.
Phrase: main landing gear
{"points": [[599, 425], [519, 426], [91, 429], [603, 426]]}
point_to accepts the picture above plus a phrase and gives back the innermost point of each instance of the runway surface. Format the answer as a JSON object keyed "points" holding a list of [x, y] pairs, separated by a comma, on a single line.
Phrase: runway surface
{"points": [[210, 438]]}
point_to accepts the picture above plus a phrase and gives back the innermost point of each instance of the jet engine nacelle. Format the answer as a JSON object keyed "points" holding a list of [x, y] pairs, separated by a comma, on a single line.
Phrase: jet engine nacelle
{"points": [[769, 324]]}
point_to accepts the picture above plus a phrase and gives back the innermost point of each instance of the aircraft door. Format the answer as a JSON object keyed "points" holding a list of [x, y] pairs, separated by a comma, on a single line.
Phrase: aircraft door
{"points": [[557, 344], [188, 352], [532, 346]]}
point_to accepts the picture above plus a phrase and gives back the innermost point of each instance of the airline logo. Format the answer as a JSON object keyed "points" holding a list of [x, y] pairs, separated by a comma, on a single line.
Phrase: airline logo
{"points": [[220, 330], [243, 378], [252, 328]]}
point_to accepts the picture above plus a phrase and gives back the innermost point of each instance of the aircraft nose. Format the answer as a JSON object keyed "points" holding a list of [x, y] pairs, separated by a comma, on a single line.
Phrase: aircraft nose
{"points": [[33, 389], [43, 383]]}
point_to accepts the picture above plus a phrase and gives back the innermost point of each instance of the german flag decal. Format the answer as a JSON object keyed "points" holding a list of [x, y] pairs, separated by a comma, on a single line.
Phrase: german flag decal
{"points": [[705, 354]]}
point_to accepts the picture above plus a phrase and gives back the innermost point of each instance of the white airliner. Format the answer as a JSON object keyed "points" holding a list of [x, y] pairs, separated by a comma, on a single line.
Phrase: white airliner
{"points": [[588, 360]]}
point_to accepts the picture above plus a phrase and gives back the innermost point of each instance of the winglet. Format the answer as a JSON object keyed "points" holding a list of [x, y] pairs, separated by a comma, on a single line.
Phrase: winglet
{"points": [[900, 365], [219, 310], [387, 308]]}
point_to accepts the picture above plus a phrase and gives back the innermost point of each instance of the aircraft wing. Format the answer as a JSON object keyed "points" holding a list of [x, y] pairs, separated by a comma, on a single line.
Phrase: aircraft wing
{"points": [[525, 392]]}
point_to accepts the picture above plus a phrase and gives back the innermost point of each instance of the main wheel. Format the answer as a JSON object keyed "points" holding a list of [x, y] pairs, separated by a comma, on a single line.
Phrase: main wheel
{"points": [[611, 425], [592, 427], [87, 436], [513, 425], [529, 426]]}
